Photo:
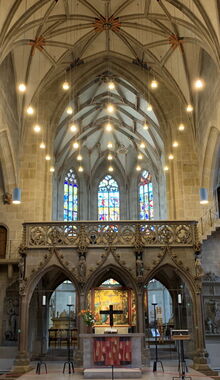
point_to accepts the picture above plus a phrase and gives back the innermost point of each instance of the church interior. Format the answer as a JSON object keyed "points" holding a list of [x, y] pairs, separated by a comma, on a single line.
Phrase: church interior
{"points": [[110, 184]]}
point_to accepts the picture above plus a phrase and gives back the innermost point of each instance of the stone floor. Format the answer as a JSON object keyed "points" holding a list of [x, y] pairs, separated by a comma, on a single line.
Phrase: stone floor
{"points": [[55, 373]]}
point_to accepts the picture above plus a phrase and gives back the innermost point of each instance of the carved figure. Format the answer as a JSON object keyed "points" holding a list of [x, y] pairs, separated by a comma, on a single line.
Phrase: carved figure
{"points": [[82, 266], [12, 311], [139, 267], [198, 268], [211, 326], [21, 269], [7, 198]]}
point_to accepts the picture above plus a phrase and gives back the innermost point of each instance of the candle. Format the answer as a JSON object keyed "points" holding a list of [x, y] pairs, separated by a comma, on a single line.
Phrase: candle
{"points": [[44, 301], [69, 300], [179, 299], [154, 299]]}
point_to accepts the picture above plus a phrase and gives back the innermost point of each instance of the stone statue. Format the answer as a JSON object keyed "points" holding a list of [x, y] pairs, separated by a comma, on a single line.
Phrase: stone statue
{"points": [[82, 266], [139, 267], [198, 268], [12, 311], [7, 198]]}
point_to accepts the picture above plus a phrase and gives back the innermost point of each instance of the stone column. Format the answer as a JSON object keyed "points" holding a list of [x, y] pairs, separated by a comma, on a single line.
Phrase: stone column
{"points": [[78, 355], [22, 362], [140, 325], [200, 355]]}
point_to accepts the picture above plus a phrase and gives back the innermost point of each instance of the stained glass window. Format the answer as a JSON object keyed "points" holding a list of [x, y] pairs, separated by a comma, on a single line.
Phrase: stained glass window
{"points": [[108, 199], [70, 197], [146, 196]]}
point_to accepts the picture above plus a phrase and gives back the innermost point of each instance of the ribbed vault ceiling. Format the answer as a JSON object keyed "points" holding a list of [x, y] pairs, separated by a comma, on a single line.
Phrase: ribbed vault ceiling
{"points": [[49, 39]]}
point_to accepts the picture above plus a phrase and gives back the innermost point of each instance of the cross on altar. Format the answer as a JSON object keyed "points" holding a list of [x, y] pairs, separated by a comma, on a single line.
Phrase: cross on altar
{"points": [[111, 312]]}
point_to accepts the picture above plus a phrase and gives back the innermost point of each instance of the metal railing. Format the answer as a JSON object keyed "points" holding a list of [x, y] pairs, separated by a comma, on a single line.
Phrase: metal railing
{"points": [[207, 221], [101, 234]]}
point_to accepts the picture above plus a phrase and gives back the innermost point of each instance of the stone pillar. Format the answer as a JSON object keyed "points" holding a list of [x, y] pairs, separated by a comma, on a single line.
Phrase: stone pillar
{"points": [[200, 354], [78, 355], [140, 325], [22, 362]]}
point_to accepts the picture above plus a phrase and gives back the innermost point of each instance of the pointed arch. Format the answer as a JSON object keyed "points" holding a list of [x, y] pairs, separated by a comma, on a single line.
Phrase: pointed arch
{"points": [[108, 199], [145, 196]]}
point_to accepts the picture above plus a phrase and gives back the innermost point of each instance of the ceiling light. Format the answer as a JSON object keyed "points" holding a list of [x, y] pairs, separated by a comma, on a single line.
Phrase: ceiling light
{"points": [[52, 169], [79, 157], [47, 157], [142, 145], [108, 127], [42, 145], [16, 196], [111, 85], [110, 157], [110, 108], [175, 144], [37, 128], [22, 87], [189, 108], [199, 84], [171, 156], [140, 156], [80, 169], [165, 168], [145, 126], [73, 127], [110, 169], [138, 168], [181, 127], [69, 110], [30, 110], [154, 84], [75, 145], [149, 107], [66, 85], [110, 145]]}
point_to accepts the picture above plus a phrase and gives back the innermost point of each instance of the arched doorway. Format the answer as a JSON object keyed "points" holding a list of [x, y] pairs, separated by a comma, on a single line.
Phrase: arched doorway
{"points": [[165, 289], [53, 316]]}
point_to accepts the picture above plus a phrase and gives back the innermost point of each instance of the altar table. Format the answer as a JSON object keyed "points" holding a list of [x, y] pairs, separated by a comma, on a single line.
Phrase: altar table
{"points": [[120, 350]]}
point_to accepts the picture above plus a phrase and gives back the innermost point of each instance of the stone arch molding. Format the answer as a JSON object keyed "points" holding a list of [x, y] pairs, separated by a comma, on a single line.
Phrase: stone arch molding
{"points": [[7, 159]]}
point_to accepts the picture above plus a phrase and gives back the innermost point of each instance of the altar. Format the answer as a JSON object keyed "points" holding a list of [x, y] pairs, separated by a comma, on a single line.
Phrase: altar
{"points": [[102, 351]]}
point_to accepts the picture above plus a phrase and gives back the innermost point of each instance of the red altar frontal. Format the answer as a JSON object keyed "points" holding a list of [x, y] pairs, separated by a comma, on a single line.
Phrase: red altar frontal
{"points": [[112, 351]]}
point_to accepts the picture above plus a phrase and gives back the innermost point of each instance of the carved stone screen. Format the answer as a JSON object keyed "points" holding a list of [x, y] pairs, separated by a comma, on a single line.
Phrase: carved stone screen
{"points": [[3, 242]]}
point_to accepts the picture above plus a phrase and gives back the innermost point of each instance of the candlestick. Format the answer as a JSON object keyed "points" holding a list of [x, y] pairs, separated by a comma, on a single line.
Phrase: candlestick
{"points": [[44, 301], [154, 299], [179, 299]]}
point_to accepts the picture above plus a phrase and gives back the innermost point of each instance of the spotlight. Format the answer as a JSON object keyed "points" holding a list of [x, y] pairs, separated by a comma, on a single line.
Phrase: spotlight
{"points": [[138, 168], [110, 108], [42, 145], [175, 144], [140, 156], [30, 110], [154, 84], [145, 126], [142, 145], [47, 157], [199, 84], [110, 145], [66, 86], [79, 157], [189, 108], [80, 169], [75, 145], [22, 87], [69, 110], [37, 128], [110, 157], [149, 107], [110, 169], [171, 156], [165, 168], [111, 85], [52, 169], [73, 127], [181, 127], [108, 127]]}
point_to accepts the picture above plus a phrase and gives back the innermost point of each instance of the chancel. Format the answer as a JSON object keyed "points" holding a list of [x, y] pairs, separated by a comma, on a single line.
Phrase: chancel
{"points": [[109, 182]]}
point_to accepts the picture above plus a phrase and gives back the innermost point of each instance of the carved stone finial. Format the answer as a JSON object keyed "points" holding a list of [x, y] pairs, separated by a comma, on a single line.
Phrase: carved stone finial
{"points": [[7, 198]]}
